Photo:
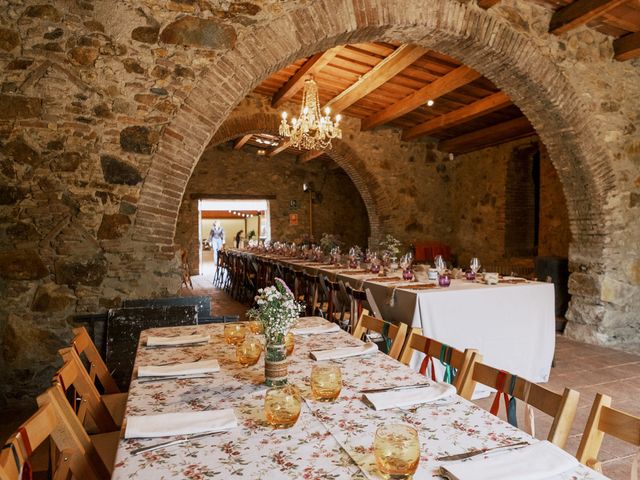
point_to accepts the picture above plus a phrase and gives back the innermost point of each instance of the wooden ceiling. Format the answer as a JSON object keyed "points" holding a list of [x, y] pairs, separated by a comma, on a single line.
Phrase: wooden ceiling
{"points": [[391, 84]]}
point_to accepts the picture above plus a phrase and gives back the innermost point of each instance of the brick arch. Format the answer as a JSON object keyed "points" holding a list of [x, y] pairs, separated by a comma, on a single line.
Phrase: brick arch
{"points": [[377, 205], [464, 31]]}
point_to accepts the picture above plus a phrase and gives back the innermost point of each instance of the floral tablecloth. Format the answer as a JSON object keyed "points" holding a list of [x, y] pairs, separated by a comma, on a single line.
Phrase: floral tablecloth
{"points": [[330, 440]]}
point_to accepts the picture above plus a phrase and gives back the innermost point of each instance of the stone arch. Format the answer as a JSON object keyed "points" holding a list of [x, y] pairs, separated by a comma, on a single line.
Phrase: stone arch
{"points": [[511, 60], [341, 153]]}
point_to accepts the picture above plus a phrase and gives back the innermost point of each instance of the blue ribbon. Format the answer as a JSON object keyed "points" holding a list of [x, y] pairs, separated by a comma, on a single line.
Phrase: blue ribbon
{"points": [[445, 360], [512, 417]]}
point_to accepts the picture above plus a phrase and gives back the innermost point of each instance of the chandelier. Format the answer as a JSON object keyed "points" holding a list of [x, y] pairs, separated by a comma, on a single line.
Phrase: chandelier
{"points": [[311, 130]]}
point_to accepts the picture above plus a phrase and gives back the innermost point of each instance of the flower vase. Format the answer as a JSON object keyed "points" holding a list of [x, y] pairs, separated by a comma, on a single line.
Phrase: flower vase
{"points": [[275, 364], [393, 265]]}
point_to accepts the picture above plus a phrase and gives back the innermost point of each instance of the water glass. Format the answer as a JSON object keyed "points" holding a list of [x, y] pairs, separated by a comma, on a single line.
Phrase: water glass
{"points": [[282, 406], [234, 333], [397, 451], [255, 326], [326, 382], [249, 352], [289, 343]]}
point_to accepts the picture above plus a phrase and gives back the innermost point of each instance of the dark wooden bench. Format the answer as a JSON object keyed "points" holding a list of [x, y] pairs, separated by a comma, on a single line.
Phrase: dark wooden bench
{"points": [[203, 303]]}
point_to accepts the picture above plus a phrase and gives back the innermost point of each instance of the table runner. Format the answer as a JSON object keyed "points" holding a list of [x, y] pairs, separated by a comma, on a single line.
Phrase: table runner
{"points": [[330, 441]]}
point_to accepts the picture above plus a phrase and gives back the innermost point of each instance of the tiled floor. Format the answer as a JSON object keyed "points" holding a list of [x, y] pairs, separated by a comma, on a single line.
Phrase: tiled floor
{"points": [[586, 368]]}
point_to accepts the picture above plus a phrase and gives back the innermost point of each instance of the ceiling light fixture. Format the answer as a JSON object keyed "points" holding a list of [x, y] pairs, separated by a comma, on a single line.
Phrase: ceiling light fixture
{"points": [[429, 103], [311, 130]]}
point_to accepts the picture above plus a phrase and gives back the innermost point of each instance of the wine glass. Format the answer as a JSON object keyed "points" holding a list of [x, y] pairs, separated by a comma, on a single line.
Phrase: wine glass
{"points": [[474, 265], [440, 264]]}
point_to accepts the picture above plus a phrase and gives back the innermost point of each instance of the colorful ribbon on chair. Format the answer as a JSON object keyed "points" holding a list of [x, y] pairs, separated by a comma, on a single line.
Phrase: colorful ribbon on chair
{"points": [[24, 470], [425, 362], [445, 359], [509, 403], [385, 337]]}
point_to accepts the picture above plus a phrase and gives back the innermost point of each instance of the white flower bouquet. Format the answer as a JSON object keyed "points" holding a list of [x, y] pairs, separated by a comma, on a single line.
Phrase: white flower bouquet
{"points": [[276, 308]]}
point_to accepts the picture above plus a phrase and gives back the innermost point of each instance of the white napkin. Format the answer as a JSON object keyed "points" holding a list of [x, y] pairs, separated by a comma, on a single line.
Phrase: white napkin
{"points": [[181, 423], [539, 461], [344, 352], [315, 330], [409, 397], [180, 340], [191, 368]]}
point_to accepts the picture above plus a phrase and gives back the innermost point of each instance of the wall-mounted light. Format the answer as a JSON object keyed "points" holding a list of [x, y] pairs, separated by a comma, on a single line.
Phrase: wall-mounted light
{"points": [[429, 103], [262, 152]]}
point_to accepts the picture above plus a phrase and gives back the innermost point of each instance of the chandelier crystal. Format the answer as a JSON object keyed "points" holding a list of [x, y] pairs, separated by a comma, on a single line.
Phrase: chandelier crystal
{"points": [[311, 130]]}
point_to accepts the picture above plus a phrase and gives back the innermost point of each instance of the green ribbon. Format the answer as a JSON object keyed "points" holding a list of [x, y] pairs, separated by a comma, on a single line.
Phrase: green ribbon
{"points": [[445, 360]]}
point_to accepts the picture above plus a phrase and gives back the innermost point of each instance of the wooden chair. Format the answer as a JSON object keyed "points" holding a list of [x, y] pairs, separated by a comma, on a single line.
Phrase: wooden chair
{"points": [[100, 376], [76, 455], [461, 361], [395, 333], [357, 300], [562, 407], [605, 419], [97, 413]]}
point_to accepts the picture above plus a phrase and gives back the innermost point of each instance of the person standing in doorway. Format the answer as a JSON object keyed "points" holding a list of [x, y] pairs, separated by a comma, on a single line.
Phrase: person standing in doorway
{"points": [[238, 238], [216, 240]]}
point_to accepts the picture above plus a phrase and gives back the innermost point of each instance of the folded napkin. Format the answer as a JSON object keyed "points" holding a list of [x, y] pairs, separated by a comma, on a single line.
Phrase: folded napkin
{"points": [[344, 352], [179, 340], [539, 461], [408, 397], [181, 423], [191, 368], [318, 329]]}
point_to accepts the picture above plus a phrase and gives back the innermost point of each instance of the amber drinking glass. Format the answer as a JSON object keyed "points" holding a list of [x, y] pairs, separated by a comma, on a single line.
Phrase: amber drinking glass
{"points": [[397, 451], [326, 382], [255, 327], [289, 343], [234, 333], [248, 352], [282, 406]]}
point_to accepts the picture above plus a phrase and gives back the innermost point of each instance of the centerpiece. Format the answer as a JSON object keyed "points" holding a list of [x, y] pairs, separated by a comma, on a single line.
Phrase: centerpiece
{"points": [[277, 310], [391, 247]]}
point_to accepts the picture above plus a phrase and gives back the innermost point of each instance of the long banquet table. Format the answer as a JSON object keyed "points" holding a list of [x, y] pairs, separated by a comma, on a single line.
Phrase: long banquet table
{"points": [[329, 441], [511, 324]]}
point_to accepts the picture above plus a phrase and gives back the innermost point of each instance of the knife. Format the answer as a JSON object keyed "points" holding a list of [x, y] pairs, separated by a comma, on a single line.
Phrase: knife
{"points": [[171, 443], [473, 453], [159, 378], [192, 344], [402, 387]]}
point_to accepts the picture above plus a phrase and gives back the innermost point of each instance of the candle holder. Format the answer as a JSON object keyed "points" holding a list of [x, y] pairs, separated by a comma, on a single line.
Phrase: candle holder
{"points": [[326, 382], [444, 280], [234, 333], [396, 448], [249, 352], [289, 343], [282, 406]]}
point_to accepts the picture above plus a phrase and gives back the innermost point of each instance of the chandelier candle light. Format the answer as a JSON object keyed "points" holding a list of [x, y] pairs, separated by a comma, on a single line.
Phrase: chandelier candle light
{"points": [[311, 130]]}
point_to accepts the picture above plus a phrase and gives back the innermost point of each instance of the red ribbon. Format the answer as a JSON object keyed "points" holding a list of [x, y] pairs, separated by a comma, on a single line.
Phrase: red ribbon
{"points": [[500, 381], [425, 362]]}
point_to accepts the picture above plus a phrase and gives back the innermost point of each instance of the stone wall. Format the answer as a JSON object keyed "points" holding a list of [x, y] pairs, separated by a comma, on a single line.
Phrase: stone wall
{"points": [[225, 171], [105, 108], [480, 205]]}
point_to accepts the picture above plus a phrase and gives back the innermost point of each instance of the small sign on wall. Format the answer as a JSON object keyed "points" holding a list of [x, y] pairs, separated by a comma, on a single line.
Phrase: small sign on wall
{"points": [[293, 204], [293, 219]]}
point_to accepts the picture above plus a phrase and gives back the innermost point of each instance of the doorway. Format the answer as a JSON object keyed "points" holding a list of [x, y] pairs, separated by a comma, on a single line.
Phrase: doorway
{"points": [[250, 218]]}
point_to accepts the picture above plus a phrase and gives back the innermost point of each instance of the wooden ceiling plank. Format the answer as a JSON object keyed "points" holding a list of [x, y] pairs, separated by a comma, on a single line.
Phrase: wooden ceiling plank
{"points": [[310, 155], [295, 83], [388, 68], [627, 47], [240, 142], [493, 135], [580, 12], [285, 144], [486, 4], [451, 81], [476, 109]]}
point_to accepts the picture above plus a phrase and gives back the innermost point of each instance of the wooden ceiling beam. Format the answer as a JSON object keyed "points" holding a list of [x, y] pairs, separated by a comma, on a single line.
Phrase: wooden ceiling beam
{"points": [[384, 71], [240, 142], [443, 85], [580, 12], [627, 47], [309, 155], [476, 109], [279, 149], [310, 67], [496, 134], [486, 4]]}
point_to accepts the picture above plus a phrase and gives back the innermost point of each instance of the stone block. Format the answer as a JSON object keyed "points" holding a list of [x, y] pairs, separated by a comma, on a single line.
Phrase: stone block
{"points": [[616, 292], [83, 55], [113, 226], [22, 265], [10, 195], [138, 139], [9, 39], [584, 284], [67, 162], [52, 298], [83, 270], [118, 172], [145, 34], [198, 32], [46, 12], [13, 107]]}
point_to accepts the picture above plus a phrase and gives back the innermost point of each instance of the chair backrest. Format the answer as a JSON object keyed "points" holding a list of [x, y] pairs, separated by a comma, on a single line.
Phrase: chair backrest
{"points": [[81, 393], [396, 333], [54, 419], [604, 419], [461, 361], [373, 304], [98, 371], [562, 407]]}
